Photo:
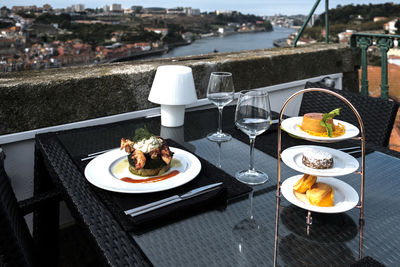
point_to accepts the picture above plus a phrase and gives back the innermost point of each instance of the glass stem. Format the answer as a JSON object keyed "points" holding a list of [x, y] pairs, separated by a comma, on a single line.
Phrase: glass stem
{"points": [[251, 205], [252, 141], [220, 120]]}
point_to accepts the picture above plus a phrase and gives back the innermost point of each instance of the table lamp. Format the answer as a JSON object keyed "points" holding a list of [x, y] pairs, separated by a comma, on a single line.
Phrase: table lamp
{"points": [[173, 88]]}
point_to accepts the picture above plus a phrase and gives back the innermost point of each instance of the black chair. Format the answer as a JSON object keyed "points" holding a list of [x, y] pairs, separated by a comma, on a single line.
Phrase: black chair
{"points": [[17, 245], [378, 115]]}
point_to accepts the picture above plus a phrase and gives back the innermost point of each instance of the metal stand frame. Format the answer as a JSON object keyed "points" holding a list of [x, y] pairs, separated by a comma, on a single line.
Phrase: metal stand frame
{"points": [[361, 173]]}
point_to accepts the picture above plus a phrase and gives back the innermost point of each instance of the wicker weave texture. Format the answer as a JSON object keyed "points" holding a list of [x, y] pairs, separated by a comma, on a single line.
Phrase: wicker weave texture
{"points": [[378, 115], [115, 245], [15, 240]]}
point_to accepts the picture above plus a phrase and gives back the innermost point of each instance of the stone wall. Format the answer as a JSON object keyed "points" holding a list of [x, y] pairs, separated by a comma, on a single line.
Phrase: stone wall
{"points": [[37, 99]]}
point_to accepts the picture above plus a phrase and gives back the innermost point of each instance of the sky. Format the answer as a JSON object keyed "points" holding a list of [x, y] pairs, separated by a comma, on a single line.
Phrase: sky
{"points": [[257, 7]]}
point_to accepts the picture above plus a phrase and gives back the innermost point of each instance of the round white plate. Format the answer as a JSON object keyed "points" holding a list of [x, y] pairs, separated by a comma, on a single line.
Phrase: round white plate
{"points": [[345, 197], [343, 163], [101, 172], [291, 125]]}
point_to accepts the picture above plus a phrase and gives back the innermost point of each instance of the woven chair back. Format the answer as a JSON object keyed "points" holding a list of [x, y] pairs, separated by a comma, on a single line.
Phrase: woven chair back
{"points": [[378, 115], [16, 243]]}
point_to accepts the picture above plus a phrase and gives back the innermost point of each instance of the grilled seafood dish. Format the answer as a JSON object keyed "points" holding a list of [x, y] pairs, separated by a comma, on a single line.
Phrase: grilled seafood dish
{"points": [[149, 155]]}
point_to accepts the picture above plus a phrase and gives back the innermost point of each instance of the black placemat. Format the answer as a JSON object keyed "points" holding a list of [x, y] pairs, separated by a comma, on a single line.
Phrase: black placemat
{"points": [[117, 203], [268, 141]]}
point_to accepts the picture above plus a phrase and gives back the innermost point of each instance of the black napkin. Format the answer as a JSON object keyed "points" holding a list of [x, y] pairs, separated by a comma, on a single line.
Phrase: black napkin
{"points": [[117, 203]]}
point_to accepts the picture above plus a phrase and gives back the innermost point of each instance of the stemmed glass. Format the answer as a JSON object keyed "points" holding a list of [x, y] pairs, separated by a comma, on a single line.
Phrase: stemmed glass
{"points": [[253, 117], [220, 91]]}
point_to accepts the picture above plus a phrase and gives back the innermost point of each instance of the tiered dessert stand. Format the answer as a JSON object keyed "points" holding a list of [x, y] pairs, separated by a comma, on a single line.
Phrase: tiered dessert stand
{"points": [[360, 137]]}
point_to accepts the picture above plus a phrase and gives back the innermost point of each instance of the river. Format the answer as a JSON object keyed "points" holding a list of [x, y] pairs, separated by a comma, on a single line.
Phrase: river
{"points": [[231, 43]]}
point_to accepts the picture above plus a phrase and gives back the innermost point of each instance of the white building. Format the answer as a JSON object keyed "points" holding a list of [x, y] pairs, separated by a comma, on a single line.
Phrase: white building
{"points": [[191, 11], [390, 26], [224, 12], [79, 7], [106, 8]]}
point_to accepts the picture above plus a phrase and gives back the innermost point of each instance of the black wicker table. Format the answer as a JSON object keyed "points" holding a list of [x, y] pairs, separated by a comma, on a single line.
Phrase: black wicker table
{"points": [[210, 236]]}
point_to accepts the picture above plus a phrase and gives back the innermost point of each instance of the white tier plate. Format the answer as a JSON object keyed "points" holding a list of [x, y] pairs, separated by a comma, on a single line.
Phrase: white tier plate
{"points": [[345, 197], [100, 172], [343, 163], [291, 125]]}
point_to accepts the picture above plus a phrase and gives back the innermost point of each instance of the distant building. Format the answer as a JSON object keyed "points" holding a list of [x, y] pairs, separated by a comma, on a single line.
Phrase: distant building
{"points": [[390, 26], [154, 10], [191, 11], [162, 31], [344, 37], [224, 12], [79, 7], [376, 19], [137, 9], [116, 8], [176, 10], [128, 11], [24, 8], [106, 8]]}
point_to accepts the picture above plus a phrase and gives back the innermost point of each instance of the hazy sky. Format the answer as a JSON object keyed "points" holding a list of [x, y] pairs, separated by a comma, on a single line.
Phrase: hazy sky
{"points": [[258, 7]]}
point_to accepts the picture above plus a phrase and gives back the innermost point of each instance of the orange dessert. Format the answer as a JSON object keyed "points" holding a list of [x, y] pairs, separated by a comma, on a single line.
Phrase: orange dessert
{"points": [[311, 122], [318, 124], [305, 183], [320, 195]]}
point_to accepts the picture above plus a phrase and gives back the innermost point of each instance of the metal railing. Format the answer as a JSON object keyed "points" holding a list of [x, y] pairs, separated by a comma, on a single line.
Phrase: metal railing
{"points": [[362, 41], [384, 42], [308, 19]]}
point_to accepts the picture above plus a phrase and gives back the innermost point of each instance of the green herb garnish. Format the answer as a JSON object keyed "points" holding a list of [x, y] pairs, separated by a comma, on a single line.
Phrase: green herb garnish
{"points": [[328, 116], [142, 133]]}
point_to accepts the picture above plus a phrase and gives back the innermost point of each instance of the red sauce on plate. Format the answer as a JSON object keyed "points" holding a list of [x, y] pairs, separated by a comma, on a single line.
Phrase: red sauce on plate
{"points": [[151, 179]]}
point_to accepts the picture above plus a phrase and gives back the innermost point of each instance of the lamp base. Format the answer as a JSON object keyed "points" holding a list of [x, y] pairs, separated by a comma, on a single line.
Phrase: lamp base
{"points": [[172, 116]]}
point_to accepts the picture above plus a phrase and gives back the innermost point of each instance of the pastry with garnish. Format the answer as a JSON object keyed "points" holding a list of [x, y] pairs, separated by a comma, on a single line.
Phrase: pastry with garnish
{"points": [[149, 154], [319, 124], [317, 159]]}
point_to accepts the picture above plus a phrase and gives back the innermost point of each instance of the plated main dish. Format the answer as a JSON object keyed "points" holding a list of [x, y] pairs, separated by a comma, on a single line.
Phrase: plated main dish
{"points": [[142, 164], [149, 155]]}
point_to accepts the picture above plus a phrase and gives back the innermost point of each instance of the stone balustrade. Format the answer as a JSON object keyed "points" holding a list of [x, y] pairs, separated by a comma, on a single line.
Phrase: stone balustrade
{"points": [[36, 99]]}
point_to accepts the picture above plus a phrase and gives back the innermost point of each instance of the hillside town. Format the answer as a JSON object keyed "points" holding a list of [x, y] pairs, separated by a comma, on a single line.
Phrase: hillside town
{"points": [[34, 37]]}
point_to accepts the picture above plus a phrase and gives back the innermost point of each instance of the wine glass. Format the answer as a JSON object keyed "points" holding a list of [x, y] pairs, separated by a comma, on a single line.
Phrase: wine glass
{"points": [[253, 117], [220, 92]]}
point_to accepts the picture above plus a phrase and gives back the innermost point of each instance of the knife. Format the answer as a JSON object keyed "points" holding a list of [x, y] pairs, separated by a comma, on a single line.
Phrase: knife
{"points": [[173, 199]]}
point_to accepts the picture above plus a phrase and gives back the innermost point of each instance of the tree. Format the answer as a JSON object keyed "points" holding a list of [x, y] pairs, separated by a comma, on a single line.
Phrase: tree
{"points": [[397, 25]]}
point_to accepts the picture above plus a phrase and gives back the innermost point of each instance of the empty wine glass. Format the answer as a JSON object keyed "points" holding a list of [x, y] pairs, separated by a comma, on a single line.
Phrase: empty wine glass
{"points": [[253, 117], [220, 92]]}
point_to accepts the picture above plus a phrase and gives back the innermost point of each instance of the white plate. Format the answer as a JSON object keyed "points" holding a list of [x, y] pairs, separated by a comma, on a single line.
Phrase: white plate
{"points": [[343, 163], [291, 125], [101, 172], [345, 197]]}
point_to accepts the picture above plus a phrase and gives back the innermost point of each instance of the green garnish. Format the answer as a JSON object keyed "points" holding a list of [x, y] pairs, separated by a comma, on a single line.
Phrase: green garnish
{"points": [[328, 116], [142, 133]]}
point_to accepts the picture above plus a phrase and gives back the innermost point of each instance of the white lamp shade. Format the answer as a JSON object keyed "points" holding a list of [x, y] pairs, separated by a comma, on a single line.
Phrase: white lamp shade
{"points": [[173, 85]]}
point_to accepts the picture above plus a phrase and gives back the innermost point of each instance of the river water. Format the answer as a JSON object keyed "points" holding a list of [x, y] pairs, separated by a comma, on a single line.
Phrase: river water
{"points": [[231, 43]]}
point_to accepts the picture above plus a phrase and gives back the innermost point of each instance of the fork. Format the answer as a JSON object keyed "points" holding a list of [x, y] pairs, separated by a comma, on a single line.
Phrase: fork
{"points": [[95, 154]]}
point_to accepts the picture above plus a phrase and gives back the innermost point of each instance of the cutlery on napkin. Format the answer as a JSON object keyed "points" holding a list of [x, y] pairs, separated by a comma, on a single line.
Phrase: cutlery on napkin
{"points": [[173, 199]]}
